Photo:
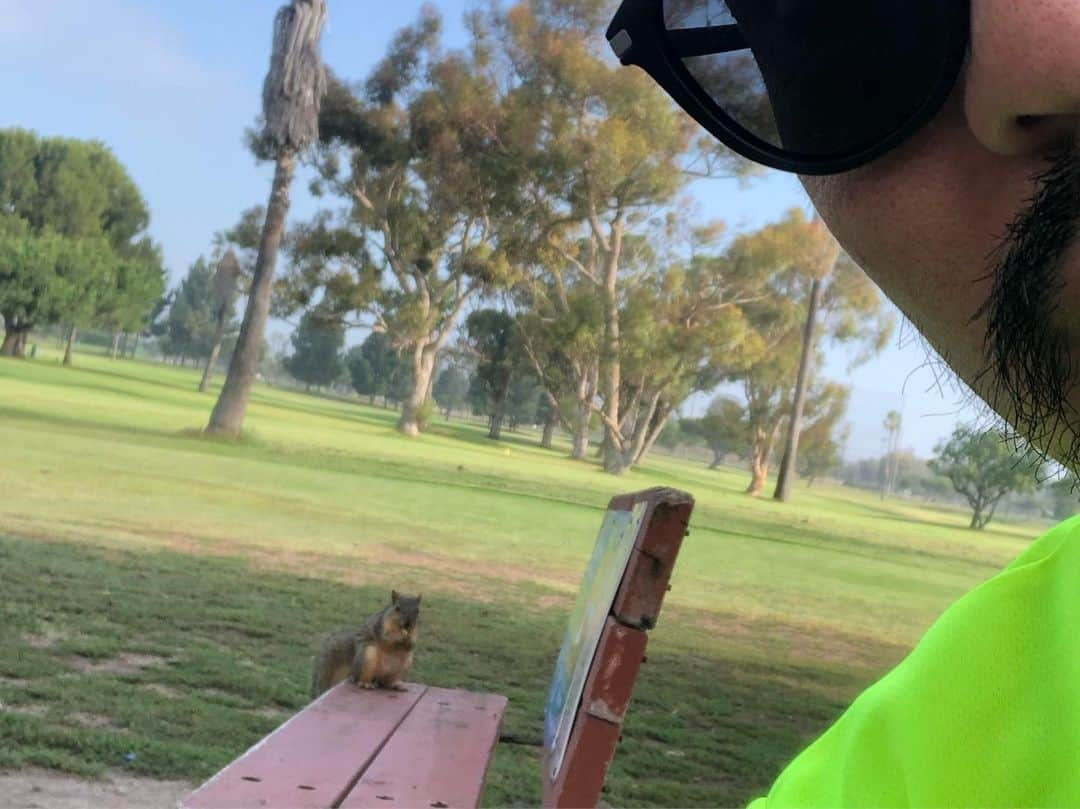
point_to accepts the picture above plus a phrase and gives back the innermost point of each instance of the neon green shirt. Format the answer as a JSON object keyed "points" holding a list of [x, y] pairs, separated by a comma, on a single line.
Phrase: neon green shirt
{"points": [[985, 711]]}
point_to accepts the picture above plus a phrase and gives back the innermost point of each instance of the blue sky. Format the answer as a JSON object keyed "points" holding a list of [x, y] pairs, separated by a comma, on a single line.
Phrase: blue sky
{"points": [[171, 86]]}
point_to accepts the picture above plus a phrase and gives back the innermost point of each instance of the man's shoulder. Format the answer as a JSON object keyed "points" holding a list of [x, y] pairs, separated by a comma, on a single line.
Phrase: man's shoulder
{"points": [[983, 711]]}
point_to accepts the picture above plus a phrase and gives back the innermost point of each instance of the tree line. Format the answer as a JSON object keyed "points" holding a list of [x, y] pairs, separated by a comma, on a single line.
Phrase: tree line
{"points": [[523, 175]]}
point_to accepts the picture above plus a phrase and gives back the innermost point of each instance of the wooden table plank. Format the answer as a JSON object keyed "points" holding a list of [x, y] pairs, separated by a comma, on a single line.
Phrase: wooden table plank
{"points": [[314, 758], [439, 755]]}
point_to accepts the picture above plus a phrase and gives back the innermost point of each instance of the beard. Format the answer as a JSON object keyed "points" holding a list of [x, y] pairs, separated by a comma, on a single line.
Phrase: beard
{"points": [[1029, 371]]}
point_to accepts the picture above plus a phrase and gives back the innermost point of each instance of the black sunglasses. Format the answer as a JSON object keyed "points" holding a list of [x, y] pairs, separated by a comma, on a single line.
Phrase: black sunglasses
{"points": [[807, 86]]}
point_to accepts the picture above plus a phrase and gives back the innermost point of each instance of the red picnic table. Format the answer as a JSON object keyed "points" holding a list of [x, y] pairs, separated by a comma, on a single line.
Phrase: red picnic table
{"points": [[431, 747]]}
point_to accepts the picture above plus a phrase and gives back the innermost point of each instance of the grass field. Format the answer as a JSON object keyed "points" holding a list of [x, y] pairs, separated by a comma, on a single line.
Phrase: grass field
{"points": [[161, 593]]}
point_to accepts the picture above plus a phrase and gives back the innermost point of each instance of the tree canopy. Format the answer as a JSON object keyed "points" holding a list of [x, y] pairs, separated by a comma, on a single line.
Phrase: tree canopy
{"points": [[317, 357], [71, 224], [982, 467]]}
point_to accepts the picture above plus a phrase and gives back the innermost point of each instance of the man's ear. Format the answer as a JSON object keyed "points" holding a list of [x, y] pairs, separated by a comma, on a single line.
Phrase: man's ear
{"points": [[393, 596]]}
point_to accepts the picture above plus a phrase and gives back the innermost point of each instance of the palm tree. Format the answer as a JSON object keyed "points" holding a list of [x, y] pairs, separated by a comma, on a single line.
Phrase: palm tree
{"points": [[292, 95], [892, 424], [228, 271]]}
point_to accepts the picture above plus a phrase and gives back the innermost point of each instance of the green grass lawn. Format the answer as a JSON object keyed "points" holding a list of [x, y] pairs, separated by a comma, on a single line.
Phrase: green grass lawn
{"points": [[162, 593]]}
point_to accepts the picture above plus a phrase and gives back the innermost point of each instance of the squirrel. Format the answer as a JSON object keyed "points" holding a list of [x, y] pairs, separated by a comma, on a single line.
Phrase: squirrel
{"points": [[377, 655]]}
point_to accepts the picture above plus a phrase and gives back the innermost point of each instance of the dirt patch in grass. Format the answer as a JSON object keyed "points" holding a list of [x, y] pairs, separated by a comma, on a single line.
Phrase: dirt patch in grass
{"points": [[272, 712], [161, 689], [123, 664], [93, 720], [29, 709], [45, 639], [37, 789]]}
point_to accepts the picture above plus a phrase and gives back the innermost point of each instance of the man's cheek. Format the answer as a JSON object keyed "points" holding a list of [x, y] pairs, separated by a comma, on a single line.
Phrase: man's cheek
{"points": [[923, 223]]}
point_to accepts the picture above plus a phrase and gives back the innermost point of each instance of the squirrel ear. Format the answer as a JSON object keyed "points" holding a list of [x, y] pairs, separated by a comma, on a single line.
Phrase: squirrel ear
{"points": [[421, 595], [393, 596]]}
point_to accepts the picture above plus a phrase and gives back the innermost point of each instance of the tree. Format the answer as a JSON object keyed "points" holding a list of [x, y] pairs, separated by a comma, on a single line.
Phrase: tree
{"points": [[85, 278], [28, 270], [417, 151], [451, 388], [55, 190], [822, 441], [723, 428], [139, 283], [845, 305], [892, 424], [778, 327], [606, 150], [226, 278], [522, 401], [1063, 496], [190, 325], [292, 95], [375, 367], [560, 335], [684, 329], [317, 351], [491, 336], [983, 468]]}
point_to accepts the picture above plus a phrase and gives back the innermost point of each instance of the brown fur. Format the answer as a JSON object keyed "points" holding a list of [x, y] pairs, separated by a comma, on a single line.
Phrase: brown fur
{"points": [[377, 655]]}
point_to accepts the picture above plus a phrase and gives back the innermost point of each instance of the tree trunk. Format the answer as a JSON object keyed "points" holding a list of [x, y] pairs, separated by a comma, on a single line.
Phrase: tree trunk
{"points": [[654, 425], [717, 458], [550, 422], [759, 473], [16, 333], [72, 337], [228, 416], [208, 372], [7, 348], [115, 345], [786, 476], [123, 344], [615, 461], [423, 369], [135, 346], [582, 414], [498, 413]]}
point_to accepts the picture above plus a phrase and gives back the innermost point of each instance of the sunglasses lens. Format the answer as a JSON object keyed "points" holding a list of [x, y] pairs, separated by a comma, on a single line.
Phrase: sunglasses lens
{"points": [[820, 78]]}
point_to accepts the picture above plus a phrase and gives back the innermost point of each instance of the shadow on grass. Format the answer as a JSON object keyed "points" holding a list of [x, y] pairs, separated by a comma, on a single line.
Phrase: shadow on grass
{"points": [[222, 643], [821, 540]]}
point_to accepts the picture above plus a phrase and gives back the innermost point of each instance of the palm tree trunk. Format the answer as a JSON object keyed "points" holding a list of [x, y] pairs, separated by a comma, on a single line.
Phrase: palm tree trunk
{"points": [[786, 475], [208, 372], [228, 416]]}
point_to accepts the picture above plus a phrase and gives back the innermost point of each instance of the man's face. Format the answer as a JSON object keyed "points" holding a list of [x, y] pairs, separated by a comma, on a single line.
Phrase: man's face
{"points": [[968, 226]]}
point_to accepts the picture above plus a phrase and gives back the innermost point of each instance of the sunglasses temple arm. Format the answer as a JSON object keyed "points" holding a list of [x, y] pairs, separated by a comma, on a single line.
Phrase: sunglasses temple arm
{"points": [[705, 41]]}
